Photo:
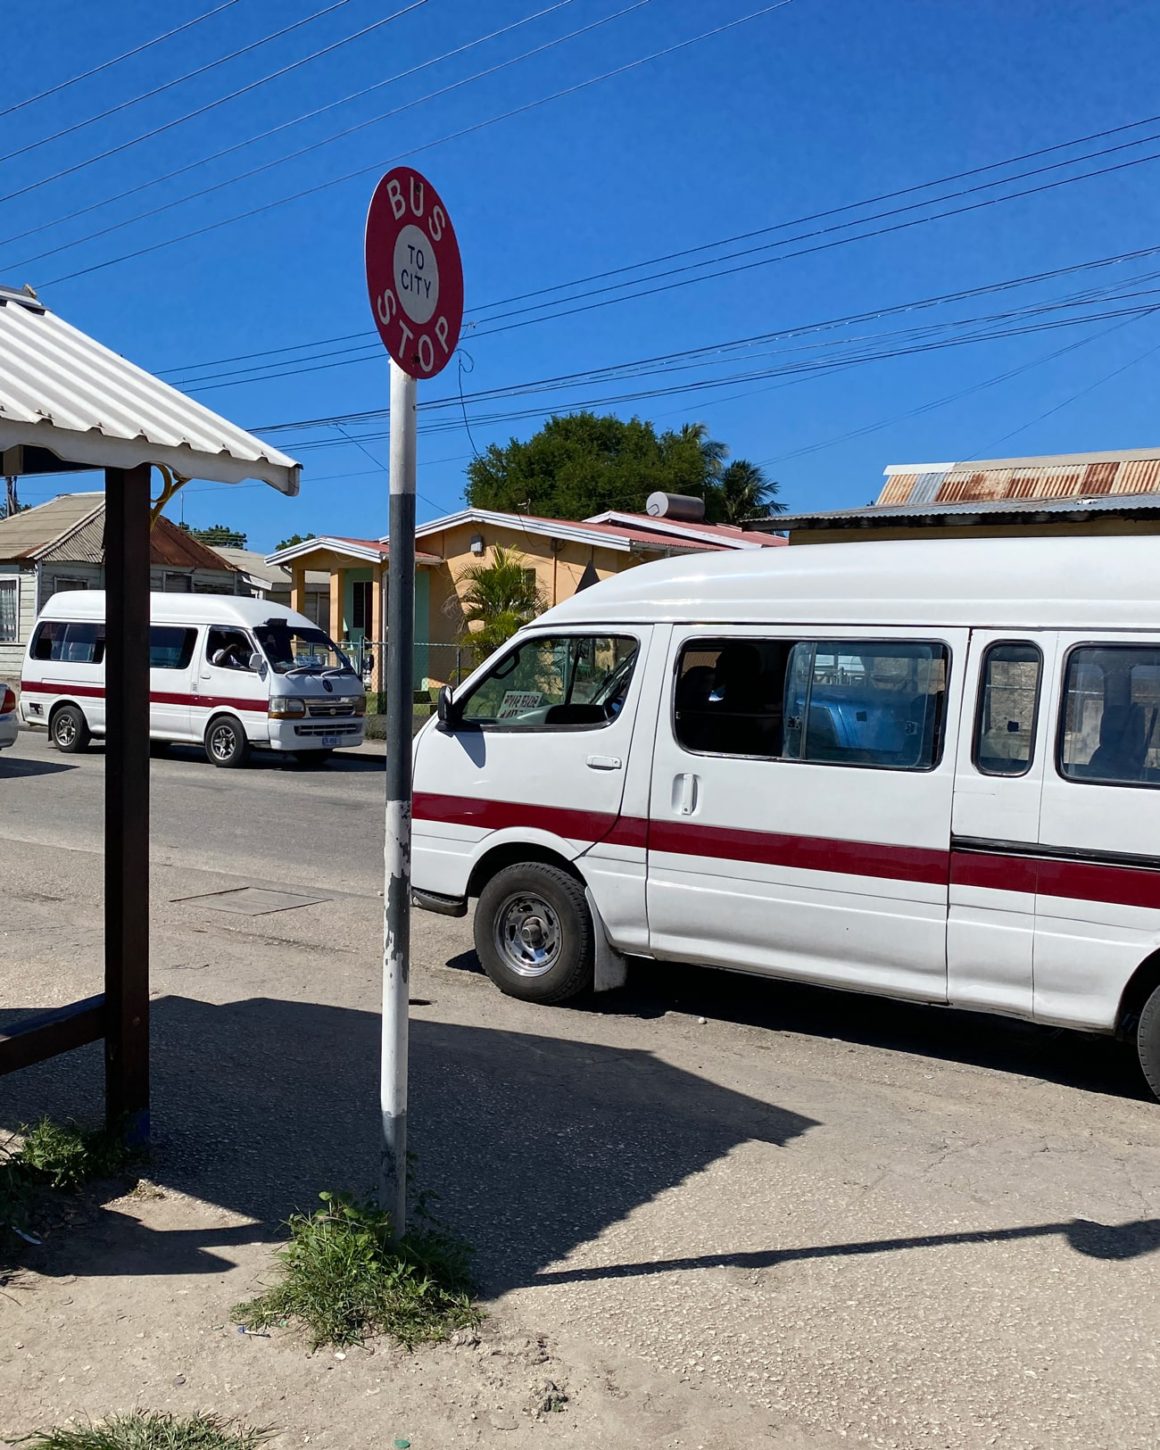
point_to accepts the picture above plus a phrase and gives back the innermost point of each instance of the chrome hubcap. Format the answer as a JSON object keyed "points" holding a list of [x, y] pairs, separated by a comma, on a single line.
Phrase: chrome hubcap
{"points": [[221, 742], [66, 731], [527, 934]]}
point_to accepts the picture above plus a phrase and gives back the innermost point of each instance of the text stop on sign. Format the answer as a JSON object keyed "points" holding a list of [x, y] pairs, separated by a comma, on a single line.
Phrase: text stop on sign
{"points": [[414, 273]]}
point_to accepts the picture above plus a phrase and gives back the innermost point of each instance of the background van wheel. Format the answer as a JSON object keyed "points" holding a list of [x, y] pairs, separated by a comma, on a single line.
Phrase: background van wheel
{"points": [[70, 730], [1148, 1041], [225, 742], [533, 933]]}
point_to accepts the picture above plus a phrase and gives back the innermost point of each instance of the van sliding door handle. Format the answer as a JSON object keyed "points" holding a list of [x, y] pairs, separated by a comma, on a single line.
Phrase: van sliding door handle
{"points": [[685, 794], [604, 762]]}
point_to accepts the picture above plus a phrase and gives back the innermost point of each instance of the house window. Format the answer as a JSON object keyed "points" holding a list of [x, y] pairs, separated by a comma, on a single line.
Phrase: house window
{"points": [[60, 583], [9, 610], [178, 584], [363, 608]]}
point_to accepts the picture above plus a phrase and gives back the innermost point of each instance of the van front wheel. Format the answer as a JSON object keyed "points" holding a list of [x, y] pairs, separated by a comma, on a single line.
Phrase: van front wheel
{"points": [[70, 730], [533, 933], [1148, 1041], [225, 742]]}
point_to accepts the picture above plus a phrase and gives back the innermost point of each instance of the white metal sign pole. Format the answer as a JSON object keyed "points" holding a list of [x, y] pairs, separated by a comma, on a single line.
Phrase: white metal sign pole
{"points": [[397, 853]]}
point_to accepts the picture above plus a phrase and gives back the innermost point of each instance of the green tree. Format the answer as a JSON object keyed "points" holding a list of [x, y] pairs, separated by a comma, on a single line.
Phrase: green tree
{"points": [[742, 492], [713, 452], [581, 464], [497, 599], [218, 535], [294, 539]]}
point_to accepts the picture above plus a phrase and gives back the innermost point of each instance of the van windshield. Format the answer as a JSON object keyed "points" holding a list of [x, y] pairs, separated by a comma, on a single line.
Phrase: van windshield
{"points": [[291, 650]]}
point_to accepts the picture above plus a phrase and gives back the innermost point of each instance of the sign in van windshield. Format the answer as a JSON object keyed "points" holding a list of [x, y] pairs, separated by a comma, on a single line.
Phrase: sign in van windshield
{"points": [[518, 702]]}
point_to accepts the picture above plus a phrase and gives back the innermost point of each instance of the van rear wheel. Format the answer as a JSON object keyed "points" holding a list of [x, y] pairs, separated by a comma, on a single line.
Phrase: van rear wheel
{"points": [[225, 742], [1148, 1041], [70, 730], [533, 933]]}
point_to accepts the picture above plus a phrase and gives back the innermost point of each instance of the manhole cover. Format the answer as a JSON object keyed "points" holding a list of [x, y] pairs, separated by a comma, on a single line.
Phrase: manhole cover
{"points": [[250, 900]]}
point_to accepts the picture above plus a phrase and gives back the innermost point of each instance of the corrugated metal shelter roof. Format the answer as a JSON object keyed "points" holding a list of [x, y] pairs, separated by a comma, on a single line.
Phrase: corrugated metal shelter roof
{"points": [[1051, 476], [988, 510], [63, 391], [71, 530]]}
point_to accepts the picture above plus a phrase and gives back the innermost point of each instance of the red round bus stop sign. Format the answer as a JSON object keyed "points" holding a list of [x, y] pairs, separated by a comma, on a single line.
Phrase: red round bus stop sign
{"points": [[414, 273]]}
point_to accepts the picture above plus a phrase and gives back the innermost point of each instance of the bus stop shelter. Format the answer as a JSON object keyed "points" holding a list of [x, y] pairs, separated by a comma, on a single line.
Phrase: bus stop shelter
{"points": [[69, 403]]}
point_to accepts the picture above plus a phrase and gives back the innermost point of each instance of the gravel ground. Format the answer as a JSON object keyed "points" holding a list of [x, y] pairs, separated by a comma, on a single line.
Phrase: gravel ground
{"points": [[728, 1211]]}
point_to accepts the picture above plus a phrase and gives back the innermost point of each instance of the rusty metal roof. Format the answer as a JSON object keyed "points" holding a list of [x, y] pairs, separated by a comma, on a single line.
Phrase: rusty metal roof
{"points": [[1062, 510], [63, 391], [71, 530], [1060, 476]]}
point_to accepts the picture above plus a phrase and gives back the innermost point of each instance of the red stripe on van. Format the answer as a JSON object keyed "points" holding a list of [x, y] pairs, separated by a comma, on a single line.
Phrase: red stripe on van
{"points": [[1089, 881], [156, 697], [802, 853], [995, 872], [501, 815]]}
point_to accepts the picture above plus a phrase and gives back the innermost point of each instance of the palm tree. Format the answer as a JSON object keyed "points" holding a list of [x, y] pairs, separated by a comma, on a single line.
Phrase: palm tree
{"points": [[713, 452], [745, 493], [497, 599]]}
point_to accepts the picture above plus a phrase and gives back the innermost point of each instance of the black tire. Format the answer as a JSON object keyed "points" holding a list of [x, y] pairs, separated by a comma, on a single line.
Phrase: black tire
{"points": [[226, 745], [70, 730], [1148, 1041], [533, 933], [313, 759]]}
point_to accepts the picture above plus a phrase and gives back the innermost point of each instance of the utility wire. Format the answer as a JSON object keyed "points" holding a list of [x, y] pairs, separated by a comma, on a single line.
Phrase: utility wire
{"points": [[692, 355], [260, 136], [425, 146], [339, 135], [105, 65], [220, 100]]}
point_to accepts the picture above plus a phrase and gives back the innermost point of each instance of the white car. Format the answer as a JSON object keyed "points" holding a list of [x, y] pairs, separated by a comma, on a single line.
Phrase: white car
{"points": [[9, 717]]}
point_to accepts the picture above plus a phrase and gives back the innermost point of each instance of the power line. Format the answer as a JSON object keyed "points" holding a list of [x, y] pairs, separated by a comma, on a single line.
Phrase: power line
{"points": [[258, 136], [209, 105], [340, 135], [105, 65], [425, 146], [784, 334]]}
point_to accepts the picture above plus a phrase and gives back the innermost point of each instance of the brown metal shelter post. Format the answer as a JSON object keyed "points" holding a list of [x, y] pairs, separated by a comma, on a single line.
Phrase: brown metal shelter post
{"points": [[127, 524]]}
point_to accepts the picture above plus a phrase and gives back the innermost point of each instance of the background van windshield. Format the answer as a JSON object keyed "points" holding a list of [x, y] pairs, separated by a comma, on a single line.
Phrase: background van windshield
{"points": [[289, 648]]}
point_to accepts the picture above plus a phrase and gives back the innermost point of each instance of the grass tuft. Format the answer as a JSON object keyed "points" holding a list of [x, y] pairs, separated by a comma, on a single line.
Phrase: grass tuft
{"points": [[64, 1155], [344, 1278], [149, 1431]]}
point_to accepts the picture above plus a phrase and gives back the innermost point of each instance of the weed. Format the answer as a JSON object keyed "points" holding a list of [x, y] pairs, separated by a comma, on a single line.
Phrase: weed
{"points": [[63, 1155], [149, 1431], [344, 1277]]}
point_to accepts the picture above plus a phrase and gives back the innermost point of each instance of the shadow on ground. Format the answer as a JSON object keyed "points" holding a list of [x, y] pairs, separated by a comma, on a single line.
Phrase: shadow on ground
{"points": [[1088, 1061], [15, 768], [534, 1145]]}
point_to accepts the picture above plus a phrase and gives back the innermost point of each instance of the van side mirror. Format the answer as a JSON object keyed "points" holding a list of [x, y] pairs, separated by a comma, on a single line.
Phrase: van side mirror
{"points": [[446, 709], [257, 663]]}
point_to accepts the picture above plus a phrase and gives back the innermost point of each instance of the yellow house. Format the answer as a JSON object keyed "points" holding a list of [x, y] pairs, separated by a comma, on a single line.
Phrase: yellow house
{"points": [[566, 555]]}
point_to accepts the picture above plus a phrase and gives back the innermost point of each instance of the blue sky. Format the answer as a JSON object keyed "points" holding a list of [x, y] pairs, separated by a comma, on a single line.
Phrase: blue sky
{"points": [[816, 105]]}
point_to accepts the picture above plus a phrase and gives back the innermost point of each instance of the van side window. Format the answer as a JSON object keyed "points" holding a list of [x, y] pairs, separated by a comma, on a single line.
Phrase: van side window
{"points": [[1110, 720], [170, 647], [229, 649], [1008, 709], [75, 644], [878, 704], [567, 680]]}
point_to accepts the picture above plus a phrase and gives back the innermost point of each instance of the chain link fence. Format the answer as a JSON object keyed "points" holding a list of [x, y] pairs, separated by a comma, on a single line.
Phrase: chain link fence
{"points": [[436, 663]]}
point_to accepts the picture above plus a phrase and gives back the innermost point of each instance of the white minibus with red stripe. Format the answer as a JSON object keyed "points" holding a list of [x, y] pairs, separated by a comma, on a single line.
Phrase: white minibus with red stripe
{"points": [[225, 673], [927, 769]]}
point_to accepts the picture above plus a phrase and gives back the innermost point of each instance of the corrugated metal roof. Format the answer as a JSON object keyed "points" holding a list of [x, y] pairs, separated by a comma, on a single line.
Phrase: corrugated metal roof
{"points": [[1066, 475], [24, 534], [62, 390], [71, 530], [878, 517]]}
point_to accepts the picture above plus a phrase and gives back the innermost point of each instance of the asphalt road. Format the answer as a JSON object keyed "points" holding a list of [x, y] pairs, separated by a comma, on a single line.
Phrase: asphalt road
{"points": [[890, 1224]]}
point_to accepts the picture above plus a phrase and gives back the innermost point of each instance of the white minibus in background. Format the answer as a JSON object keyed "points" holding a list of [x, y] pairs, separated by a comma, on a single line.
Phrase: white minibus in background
{"points": [[224, 673], [927, 769]]}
